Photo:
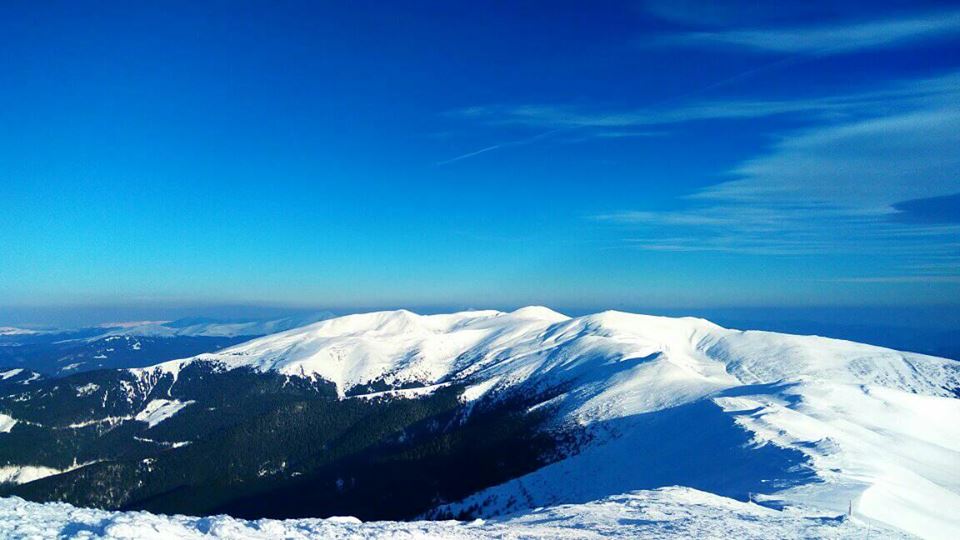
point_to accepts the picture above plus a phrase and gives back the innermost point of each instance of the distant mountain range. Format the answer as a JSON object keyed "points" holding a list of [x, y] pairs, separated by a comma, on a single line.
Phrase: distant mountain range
{"points": [[394, 415], [134, 344]]}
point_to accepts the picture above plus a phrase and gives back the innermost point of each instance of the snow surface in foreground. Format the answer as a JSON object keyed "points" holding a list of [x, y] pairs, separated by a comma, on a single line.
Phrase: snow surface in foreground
{"points": [[664, 513]]}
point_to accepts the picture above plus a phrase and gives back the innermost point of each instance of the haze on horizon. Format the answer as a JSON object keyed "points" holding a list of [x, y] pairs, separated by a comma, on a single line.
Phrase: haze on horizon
{"points": [[662, 155]]}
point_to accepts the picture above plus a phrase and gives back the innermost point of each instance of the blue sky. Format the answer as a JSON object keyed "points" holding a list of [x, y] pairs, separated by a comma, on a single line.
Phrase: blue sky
{"points": [[662, 154]]}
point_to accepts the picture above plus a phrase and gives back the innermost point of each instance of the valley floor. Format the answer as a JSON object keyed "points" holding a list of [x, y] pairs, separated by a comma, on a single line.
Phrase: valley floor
{"points": [[663, 513]]}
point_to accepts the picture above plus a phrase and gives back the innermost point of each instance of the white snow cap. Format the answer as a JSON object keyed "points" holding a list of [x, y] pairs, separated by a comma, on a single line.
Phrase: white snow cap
{"points": [[878, 426]]}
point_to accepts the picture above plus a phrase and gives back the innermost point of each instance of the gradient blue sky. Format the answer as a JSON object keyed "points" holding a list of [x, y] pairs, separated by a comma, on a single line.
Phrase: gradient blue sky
{"points": [[580, 154]]}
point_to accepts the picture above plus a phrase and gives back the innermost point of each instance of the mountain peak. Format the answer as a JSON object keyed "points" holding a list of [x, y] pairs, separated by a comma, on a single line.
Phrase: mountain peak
{"points": [[539, 312]]}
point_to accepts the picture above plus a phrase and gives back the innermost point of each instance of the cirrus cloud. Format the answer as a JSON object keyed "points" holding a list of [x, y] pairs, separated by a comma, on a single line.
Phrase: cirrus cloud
{"points": [[836, 38]]}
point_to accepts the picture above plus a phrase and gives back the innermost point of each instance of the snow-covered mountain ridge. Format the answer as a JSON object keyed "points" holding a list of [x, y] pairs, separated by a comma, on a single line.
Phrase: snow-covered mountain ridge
{"points": [[876, 428], [67, 351], [209, 328], [687, 357]]}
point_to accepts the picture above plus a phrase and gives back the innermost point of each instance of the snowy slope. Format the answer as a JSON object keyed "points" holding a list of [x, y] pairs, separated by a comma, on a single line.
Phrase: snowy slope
{"points": [[399, 346], [6, 423], [811, 423], [666, 513], [158, 410], [21, 474]]}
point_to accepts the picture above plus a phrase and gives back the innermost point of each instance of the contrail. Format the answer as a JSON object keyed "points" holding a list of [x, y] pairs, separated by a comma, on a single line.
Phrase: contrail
{"points": [[471, 154], [723, 82], [518, 142]]}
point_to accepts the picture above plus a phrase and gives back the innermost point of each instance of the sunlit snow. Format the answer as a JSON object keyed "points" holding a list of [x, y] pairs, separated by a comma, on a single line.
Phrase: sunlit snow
{"points": [[666, 513]]}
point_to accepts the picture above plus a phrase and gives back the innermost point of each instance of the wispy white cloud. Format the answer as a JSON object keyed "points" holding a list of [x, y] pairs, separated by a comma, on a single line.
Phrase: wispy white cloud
{"points": [[832, 189], [599, 124], [713, 13], [943, 90], [899, 279], [868, 165], [835, 187], [833, 39]]}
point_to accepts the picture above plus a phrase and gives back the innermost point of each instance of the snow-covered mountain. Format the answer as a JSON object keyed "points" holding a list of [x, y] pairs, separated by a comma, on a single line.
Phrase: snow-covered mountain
{"points": [[15, 331], [817, 426], [203, 327], [878, 429], [131, 344]]}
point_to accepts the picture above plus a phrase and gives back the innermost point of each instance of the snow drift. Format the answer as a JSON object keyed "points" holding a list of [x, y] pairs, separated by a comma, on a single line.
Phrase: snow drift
{"points": [[665, 513]]}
